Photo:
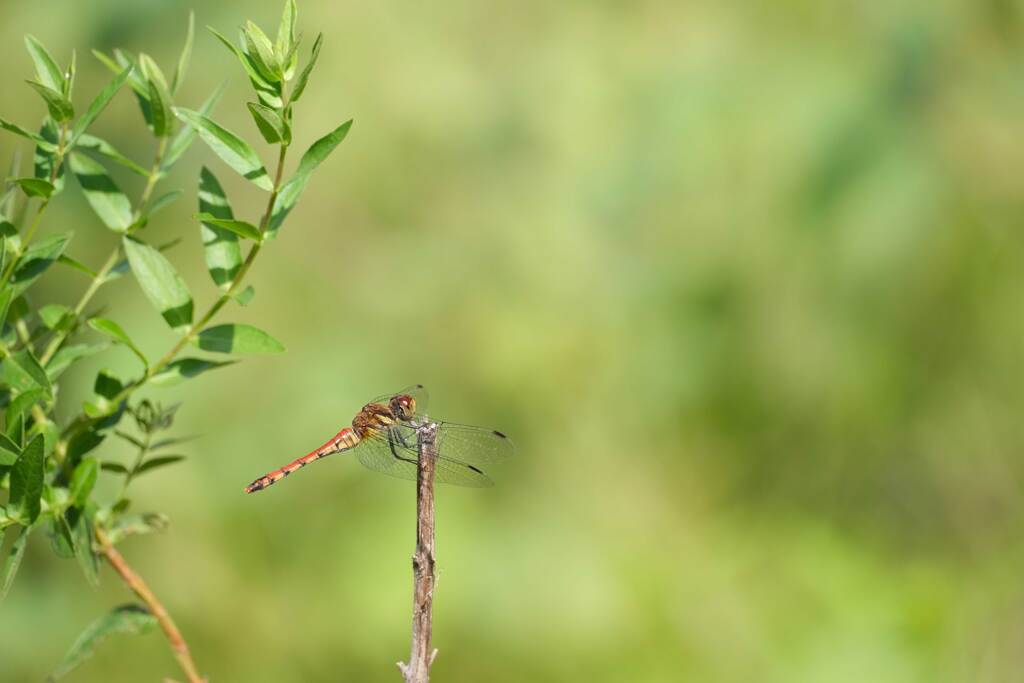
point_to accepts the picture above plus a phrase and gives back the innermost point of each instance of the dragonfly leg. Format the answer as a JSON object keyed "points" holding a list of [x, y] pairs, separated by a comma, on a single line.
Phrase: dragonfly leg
{"points": [[394, 437]]}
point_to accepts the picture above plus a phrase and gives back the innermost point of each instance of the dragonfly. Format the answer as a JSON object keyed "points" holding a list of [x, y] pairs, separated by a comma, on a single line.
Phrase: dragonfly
{"points": [[384, 437]]}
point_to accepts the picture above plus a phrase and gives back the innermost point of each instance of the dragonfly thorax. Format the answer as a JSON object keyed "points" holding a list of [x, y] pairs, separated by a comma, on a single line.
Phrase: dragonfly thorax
{"points": [[374, 417]]}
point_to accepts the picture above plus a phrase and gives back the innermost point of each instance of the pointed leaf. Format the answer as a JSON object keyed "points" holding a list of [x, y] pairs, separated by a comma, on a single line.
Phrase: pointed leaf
{"points": [[117, 333], [34, 187], [160, 282], [160, 461], [60, 107], [34, 137], [272, 127], [37, 258], [187, 134], [82, 530], [98, 105], [237, 338], [137, 525], [185, 368], [229, 147], [56, 315], [186, 54], [103, 195], [292, 190], [100, 146], [245, 296], [220, 247], [47, 71], [240, 228], [300, 85], [13, 560], [159, 96], [285, 42], [6, 295], [83, 480], [261, 52], [76, 264], [162, 201], [27, 483], [127, 619], [250, 68]]}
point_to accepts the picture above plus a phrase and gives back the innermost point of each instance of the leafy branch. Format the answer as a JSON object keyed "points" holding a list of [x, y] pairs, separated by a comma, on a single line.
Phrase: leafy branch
{"points": [[50, 470]]}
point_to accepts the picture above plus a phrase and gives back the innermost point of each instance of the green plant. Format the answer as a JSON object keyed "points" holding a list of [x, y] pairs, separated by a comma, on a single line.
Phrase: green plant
{"points": [[50, 469]]}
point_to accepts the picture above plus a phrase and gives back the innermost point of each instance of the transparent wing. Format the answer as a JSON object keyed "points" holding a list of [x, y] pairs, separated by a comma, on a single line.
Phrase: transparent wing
{"points": [[472, 445], [393, 452], [417, 391]]}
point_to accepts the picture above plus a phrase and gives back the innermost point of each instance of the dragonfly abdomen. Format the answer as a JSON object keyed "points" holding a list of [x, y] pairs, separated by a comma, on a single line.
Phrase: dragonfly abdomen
{"points": [[342, 441]]}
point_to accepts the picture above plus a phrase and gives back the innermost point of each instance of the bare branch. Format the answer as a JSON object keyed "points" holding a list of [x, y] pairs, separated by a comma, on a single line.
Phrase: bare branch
{"points": [[421, 656]]}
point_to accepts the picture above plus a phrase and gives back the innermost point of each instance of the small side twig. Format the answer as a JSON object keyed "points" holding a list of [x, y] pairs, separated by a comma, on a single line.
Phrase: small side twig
{"points": [[421, 656], [156, 608]]}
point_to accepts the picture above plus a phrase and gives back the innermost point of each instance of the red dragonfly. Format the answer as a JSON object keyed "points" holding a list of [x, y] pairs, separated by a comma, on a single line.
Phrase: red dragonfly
{"points": [[383, 436]]}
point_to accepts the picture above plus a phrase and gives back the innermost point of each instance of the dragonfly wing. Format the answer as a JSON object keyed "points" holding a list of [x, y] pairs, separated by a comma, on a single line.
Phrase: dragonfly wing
{"points": [[472, 445], [394, 453]]}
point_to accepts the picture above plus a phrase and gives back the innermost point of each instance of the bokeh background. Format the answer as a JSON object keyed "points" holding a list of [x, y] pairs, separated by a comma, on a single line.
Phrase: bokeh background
{"points": [[742, 280]]}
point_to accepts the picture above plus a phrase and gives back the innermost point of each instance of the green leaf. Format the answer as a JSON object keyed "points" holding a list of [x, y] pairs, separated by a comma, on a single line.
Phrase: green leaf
{"points": [[83, 480], [69, 79], [162, 201], [261, 51], [127, 619], [76, 264], [34, 187], [160, 282], [250, 68], [13, 561], [6, 295], [285, 43], [240, 228], [220, 247], [237, 338], [245, 296], [27, 483], [160, 461], [185, 368], [272, 127], [117, 333], [21, 372], [300, 85], [137, 525], [187, 134], [34, 137], [82, 531], [159, 96], [60, 107], [44, 161], [186, 54], [98, 104], [100, 146], [53, 315], [292, 190], [229, 147], [114, 467], [67, 356], [103, 195], [37, 258], [47, 71]]}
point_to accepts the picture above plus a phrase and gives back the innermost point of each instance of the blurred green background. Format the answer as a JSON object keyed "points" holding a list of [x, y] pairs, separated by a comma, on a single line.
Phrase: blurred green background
{"points": [[742, 280]]}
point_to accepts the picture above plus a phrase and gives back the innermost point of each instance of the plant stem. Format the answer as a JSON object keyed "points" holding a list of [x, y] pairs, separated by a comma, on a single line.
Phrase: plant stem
{"points": [[421, 656], [139, 587]]}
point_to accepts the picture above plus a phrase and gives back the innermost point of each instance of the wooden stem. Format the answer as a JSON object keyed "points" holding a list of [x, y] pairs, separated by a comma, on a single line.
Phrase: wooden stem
{"points": [[421, 656], [139, 587]]}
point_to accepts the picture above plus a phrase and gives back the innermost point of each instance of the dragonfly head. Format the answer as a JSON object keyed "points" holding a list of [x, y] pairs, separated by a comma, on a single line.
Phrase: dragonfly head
{"points": [[403, 406]]}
